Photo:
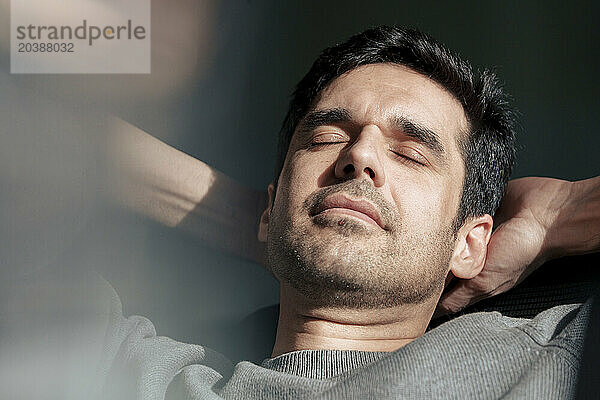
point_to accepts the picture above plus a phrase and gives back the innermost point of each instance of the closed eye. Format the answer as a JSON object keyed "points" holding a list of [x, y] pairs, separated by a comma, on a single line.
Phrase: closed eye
{"points": [[409, 157], [326, 139], [316, 144]]}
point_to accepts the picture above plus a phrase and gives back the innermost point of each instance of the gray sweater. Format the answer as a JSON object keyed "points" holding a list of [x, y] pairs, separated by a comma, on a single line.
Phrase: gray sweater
{"points": [[475, 356]]}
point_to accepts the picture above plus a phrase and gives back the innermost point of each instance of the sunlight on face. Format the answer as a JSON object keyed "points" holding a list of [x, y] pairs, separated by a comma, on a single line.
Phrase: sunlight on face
{"points": [[369, 191]]}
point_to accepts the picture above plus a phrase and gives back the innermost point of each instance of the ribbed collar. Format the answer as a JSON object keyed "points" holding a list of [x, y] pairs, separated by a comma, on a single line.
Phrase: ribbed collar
{"points": [[321, 364]]}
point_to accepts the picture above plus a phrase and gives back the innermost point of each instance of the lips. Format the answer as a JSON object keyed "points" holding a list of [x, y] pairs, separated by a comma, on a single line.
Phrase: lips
{"points": [[362, 209]]}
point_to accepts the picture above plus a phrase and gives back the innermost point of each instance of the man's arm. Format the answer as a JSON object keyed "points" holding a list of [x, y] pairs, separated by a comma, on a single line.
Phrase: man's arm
{"points": [[177, 190], [539, 219]]}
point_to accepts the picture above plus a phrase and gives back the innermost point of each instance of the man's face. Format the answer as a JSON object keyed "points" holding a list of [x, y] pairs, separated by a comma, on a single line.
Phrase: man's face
{"points": [[364, 210]]}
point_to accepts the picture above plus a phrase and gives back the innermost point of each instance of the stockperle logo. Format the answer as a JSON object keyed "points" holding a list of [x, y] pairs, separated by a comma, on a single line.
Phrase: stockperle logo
{"points": [[80, 36]]}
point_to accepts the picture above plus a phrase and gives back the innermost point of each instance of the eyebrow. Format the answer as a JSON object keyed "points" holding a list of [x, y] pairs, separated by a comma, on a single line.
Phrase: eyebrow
{"points": [[315, 119], [413, 129]]}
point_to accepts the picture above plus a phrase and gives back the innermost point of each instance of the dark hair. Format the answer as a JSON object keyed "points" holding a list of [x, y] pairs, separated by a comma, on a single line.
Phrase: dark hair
{"points": [[488, 149]]}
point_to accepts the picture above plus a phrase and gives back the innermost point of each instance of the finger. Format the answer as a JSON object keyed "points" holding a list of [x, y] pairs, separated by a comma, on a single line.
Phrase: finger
{"points": [[463, 294]]}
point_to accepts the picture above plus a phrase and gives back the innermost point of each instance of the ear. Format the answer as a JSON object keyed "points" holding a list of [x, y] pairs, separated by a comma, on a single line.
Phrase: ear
{"points": [[263, 226], [470, 249]]}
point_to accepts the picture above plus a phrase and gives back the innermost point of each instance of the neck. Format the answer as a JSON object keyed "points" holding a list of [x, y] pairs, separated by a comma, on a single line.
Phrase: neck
{"points": [[306, 326]]}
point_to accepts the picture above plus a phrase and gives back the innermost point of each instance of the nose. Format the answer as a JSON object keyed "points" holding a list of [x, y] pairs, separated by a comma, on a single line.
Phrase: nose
{"points": [[362, 158]]}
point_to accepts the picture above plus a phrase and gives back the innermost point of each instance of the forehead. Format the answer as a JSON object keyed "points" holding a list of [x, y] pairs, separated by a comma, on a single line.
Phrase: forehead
{"points": [[377, 92]]}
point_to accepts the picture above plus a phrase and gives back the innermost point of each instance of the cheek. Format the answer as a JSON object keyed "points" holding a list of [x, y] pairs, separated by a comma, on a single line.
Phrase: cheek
{"points": [[303, 173], [292, 188], [425, 202]]}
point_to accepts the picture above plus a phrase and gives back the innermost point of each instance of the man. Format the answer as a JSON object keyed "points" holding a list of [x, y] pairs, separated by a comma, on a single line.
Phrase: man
{"points": [[392, 160]]}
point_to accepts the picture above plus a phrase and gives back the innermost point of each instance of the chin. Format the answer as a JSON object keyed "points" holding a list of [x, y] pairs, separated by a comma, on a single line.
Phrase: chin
{"points": [[354, 263]]}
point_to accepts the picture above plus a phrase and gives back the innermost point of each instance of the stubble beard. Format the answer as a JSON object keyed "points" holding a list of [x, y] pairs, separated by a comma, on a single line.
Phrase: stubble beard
{"points": [[341, 262]]}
